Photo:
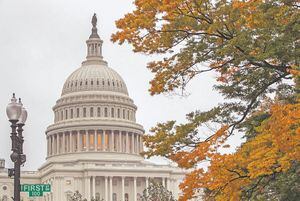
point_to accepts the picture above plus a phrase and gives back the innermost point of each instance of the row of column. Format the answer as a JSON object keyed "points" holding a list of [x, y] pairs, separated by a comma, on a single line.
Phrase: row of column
{"points": [[96, 140], [90, 187]]}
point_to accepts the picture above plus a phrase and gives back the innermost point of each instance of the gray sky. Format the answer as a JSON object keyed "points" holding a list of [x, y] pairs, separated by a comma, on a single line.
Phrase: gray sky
{"points": [[43, 42]]}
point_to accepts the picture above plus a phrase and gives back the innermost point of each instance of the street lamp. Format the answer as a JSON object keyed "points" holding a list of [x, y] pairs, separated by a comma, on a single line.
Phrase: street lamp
{"points": [[17, 116]]}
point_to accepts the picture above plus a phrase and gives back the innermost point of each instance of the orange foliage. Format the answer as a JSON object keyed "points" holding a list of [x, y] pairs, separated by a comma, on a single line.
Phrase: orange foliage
{"points": [[275, 147]]}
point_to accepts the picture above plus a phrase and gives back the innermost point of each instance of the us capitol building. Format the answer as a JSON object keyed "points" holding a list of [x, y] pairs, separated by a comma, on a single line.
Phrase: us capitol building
{"points": [[94, 144]]}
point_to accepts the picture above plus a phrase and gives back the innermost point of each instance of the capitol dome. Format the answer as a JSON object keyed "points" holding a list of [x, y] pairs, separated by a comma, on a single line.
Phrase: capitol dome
{"points": [[94, 78], [94, 118]]}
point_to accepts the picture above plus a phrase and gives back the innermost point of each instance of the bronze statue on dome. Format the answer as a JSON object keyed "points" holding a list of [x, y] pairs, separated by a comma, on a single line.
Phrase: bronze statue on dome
{"points": [[94, 20]]}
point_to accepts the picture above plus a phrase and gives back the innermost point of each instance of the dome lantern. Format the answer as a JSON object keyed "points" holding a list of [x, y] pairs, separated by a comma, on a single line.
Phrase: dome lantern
{"points": [[94, 46]]}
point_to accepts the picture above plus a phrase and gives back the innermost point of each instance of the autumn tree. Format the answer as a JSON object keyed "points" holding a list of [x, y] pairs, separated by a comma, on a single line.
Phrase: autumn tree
{"points": [[252, 47]]}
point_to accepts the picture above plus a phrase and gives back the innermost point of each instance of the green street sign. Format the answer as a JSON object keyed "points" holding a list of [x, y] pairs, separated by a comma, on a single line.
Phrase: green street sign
{"points": [[35, 190]]}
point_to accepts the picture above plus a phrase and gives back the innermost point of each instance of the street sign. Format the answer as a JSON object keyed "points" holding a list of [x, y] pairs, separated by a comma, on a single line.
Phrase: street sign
{"points": [[35, 190]]}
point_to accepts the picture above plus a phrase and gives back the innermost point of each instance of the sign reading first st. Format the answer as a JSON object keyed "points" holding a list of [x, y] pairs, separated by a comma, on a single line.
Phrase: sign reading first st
{"points": [[35, 190]]}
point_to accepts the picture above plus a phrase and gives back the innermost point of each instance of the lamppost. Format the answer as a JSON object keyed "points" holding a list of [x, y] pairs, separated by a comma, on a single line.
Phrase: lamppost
{"points": [[17, 116]]}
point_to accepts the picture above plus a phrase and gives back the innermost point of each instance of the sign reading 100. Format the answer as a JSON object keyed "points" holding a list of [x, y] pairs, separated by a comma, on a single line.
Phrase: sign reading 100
{"points": [[35, 190]]}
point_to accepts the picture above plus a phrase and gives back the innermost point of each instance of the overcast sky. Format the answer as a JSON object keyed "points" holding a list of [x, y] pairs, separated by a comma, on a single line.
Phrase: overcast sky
{"points": [[43, 42]]}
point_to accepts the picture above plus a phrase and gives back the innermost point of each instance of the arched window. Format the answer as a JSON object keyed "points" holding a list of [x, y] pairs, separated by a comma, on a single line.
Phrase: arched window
{"points": [[98, 112], [91, 112], [118, 113], [105, 112], [71, 113], [77, 113], [126, 197], [66, 114], [114, 197], [84, 112], [127, 114], [112, 112]]}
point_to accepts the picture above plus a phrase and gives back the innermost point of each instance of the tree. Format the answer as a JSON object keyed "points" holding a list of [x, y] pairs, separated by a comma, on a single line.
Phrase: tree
{"points": [[78, 197], [157, 192], [253, 48]]}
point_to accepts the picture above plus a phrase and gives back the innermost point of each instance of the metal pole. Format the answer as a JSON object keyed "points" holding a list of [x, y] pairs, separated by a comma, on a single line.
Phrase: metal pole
{"points": [[15, 157]]}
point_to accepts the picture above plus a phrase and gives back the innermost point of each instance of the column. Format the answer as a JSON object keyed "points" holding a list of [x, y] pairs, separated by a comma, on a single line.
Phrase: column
{"points": [[47, 146], [94, 186], [142, 146], [147, 184], [95, 140], [112, 141], [110, 189], [87, 147], [134, 188], [57, 143], [163, 182], [87, 188], [123, 189], [71, 141], [78, 141], [64, 143], [127, 143], [137, 143], [120, 141], [52, 144], [168, 184], [106, 190], [132, 142]]}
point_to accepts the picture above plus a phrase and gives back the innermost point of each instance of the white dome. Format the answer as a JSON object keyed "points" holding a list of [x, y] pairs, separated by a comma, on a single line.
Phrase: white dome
{"points": [[96, 77]]}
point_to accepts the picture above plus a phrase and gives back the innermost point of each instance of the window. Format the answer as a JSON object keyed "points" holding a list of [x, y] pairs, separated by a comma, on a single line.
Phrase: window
{"points": [[118, 113], [123, 113], [105, 112], [126, 197], [97, 82], [84, 141], [112, 112], [91, 112], [66, 113], [84, 112], [114, 197], [127, 114], [97, 196], [115, 182], [71, 113], [77, 113], [92, 82], [98, 112], [62, 115]]}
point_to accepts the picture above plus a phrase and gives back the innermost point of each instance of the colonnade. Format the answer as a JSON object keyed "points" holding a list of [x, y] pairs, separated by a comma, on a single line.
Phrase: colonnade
{"points": [[118, 192], [94, 140]]}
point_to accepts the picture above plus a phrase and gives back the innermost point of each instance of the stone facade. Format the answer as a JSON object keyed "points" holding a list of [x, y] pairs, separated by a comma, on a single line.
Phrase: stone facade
{"points": [[94, 144]]}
